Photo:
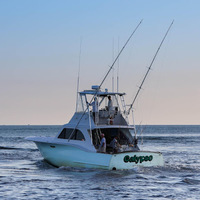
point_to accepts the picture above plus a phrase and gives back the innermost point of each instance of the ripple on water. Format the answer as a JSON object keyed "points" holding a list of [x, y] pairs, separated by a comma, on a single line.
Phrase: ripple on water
{"points": [[191, 181]]}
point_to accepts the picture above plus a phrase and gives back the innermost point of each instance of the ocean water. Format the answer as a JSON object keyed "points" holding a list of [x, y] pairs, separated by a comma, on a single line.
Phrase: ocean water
{"points": [[25, 175]]}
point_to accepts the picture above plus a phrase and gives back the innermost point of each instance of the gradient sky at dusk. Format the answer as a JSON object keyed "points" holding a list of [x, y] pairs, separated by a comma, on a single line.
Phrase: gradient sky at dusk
{"points": [[39, 57]]}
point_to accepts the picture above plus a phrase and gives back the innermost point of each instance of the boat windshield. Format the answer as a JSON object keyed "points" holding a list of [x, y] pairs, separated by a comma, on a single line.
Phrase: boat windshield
{"points": [[69, 133]]}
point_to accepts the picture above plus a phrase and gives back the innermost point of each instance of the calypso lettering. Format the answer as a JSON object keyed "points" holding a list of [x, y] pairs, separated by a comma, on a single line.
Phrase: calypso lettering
{"points": [[137, 159]]}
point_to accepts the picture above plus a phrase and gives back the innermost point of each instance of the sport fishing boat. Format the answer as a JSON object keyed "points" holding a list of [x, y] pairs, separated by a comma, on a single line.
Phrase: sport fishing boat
{"points": [[99, 134], [78, 143]]}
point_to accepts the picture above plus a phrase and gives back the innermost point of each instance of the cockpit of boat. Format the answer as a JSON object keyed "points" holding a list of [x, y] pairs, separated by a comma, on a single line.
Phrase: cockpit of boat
{"points": [[124, 137]]}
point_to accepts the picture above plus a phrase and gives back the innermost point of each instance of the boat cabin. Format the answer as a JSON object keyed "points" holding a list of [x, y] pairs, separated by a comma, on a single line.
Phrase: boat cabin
{"points": [[100, 112]]}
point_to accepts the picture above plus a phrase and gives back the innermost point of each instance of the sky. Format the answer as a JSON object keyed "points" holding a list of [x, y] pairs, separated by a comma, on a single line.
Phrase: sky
{"points": [[40, 45]]}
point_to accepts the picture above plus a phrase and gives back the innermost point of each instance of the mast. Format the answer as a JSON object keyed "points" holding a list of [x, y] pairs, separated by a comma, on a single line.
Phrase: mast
{"points": [[149, 68]]}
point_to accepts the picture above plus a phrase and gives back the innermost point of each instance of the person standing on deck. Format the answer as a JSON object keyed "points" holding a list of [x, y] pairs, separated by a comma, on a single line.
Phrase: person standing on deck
{"points": [[110, 110], [115, 145], [95, 109], [102, 147], [110, 103]]}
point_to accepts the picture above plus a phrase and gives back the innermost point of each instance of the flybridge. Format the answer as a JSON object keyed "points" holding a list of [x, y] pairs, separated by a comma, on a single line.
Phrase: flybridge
{"points": [[106, 107]]}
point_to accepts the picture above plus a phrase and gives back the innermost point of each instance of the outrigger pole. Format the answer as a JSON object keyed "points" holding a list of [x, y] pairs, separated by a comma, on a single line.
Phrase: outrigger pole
{"points": [[107, 75], [149, 68]]}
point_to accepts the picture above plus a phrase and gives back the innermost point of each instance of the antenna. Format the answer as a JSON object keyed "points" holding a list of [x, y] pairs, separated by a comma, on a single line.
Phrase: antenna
{"points": [[78, 78], [113, 46], [118, 70], [140, 87]]}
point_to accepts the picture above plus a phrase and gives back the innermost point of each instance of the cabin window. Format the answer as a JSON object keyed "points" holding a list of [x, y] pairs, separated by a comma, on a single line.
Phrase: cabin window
{"points": [[77, 135], [66, 133]]}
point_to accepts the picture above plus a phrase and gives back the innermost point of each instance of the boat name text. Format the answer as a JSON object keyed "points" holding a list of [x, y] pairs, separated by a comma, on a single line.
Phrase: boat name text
{"points": [[137, 159]]}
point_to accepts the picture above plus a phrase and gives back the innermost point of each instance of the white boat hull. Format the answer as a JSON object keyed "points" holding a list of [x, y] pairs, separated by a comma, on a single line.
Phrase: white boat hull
{"points": [[67, 155]]}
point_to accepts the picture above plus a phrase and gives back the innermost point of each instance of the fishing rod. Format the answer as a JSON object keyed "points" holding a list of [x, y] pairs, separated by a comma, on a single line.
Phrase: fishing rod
{"points": [[149, 68], [117, 57]]}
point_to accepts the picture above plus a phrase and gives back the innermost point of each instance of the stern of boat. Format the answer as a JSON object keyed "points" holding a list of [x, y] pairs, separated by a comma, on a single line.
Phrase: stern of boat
{"points": [[129, 160]]}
